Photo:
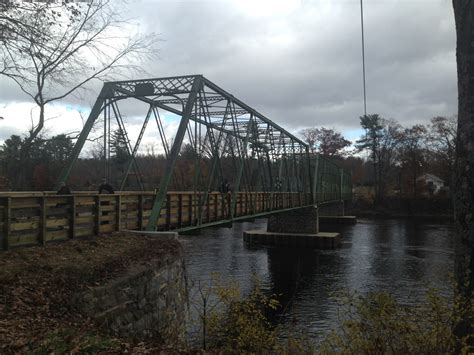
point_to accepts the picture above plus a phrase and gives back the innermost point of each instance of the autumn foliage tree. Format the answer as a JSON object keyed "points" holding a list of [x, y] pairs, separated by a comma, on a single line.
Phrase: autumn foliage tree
{"points": [[324, 141]]}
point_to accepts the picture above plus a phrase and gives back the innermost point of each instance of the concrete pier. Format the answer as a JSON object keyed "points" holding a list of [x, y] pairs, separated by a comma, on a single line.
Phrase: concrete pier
{"points": [[338, 220], [297, 228], [321, 240]]}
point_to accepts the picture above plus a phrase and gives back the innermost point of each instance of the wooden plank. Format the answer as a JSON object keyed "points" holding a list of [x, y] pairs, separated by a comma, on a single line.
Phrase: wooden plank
{"points": [[6, 223], [131, 199], [25, 203], [57, 222], [107, 228], [131, 225], [107, 218], [84, 232], [107, 208], [85, 201], [23, 239], [86, 219], [62, 234], [23, 226], [129, 212], [53, 201], [107, 198]]}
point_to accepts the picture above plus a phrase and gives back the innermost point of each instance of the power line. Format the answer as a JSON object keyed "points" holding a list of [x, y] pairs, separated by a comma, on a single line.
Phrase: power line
{"points": [[363, 55]]}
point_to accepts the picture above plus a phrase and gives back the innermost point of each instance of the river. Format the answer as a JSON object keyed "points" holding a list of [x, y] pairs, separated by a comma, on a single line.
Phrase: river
{"points": [[403, 257]]}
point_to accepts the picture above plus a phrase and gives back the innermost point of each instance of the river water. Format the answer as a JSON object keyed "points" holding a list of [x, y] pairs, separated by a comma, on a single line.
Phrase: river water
{"points": [[403, 257]]}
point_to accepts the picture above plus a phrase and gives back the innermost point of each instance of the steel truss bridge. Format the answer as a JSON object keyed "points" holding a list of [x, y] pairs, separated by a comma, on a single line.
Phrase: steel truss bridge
{"points": [[216, 138]]}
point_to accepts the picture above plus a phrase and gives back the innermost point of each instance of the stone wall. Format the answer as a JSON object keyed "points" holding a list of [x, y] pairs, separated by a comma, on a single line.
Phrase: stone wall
{"points": [[302, 220], [147, 301]]}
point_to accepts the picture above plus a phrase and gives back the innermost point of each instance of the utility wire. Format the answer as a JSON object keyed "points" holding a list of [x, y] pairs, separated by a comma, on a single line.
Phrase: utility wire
{"points": [[363, 55]]}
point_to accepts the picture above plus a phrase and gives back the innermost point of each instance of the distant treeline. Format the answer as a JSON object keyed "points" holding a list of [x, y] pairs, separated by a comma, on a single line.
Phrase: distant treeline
{"points": [[387, 159]]}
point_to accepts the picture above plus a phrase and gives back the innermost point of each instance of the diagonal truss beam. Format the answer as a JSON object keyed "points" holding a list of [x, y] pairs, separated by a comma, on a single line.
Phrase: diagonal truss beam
{"points": [[263, 154]]}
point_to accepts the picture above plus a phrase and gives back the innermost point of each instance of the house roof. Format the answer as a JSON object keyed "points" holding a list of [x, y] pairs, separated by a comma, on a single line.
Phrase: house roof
{"points": [[430, 177]]}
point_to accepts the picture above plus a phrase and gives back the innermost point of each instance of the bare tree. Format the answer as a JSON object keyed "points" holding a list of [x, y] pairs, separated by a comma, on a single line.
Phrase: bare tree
{"points": [[442, 142], [413, 152], [52, 49]]}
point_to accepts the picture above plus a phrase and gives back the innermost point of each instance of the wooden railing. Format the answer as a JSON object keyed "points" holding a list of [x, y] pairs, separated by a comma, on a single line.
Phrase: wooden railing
{"points": [[40, 217]]}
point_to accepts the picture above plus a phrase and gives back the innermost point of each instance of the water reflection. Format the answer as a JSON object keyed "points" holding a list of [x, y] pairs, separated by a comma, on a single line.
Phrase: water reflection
{"points": [[400, 256]]}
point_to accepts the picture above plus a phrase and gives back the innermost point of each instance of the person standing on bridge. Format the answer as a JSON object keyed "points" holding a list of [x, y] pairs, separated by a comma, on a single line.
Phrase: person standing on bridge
{"points": [[225, 186], [63, 189], [278, 185], [105, 186]]}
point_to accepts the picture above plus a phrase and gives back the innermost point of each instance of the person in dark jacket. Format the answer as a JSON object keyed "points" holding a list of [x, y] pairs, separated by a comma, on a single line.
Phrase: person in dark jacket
{"points": [[105, 186], [63, 189], [225, 186]]}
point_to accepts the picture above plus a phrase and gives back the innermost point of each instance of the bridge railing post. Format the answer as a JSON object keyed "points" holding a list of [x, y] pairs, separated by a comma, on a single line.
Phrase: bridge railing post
{"points": [[118, 211], [42, 224], [7, 215], [72, 217]]}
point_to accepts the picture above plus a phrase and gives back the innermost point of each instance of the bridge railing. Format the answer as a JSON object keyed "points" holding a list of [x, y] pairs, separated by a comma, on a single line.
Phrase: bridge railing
{"points": [[41, 217]]}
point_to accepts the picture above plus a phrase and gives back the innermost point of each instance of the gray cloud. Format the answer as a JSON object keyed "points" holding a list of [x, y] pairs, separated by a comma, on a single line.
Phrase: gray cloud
{"points": [[303, 67]]}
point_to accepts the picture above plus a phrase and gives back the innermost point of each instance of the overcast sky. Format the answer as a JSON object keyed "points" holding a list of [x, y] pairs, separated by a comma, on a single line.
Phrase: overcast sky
{"points": [[296, 61]]}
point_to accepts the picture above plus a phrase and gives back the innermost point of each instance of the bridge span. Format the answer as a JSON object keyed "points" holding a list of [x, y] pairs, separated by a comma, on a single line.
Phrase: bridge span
{"points": [[28, 218], [218, 140]]}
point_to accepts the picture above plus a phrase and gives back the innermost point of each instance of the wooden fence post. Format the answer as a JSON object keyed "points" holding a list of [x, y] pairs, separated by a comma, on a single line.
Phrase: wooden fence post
{"points": [[140, 212], [168, 212], [118, 211], [7, 215], [180, 210], [98, 212], [42, 224], [190, 209], [72, 218]]}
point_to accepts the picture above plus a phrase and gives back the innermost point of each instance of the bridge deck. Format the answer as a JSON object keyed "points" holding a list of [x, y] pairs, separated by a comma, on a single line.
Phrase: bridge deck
{"points": [[28, 218]]}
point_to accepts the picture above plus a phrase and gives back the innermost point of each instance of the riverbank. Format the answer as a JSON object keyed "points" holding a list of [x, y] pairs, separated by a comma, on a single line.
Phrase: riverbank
{"points": [[383, 214], [429, 209], [66, 297]]}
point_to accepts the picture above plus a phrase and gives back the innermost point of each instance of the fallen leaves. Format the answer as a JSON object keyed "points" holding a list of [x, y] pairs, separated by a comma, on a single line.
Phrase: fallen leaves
{"points": [[37, 288]]}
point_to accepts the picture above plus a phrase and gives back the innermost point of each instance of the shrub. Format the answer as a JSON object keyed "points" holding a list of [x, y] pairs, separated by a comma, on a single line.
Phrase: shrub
{"points": [[377, 323]]}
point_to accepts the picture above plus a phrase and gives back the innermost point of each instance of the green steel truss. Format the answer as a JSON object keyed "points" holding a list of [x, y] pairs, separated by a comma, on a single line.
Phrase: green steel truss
{"points": [[225, 135]]}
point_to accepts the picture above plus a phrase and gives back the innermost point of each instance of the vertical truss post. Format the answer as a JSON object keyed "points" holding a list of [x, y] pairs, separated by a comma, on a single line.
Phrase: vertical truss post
{"points": [[173, 155], [310, 179], [105, 139], [95, 112], [135, 150], [241, 168]]}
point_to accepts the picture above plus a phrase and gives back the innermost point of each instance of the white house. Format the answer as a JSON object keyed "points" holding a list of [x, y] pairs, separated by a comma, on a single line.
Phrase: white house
{"points": [[433, 183]]}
